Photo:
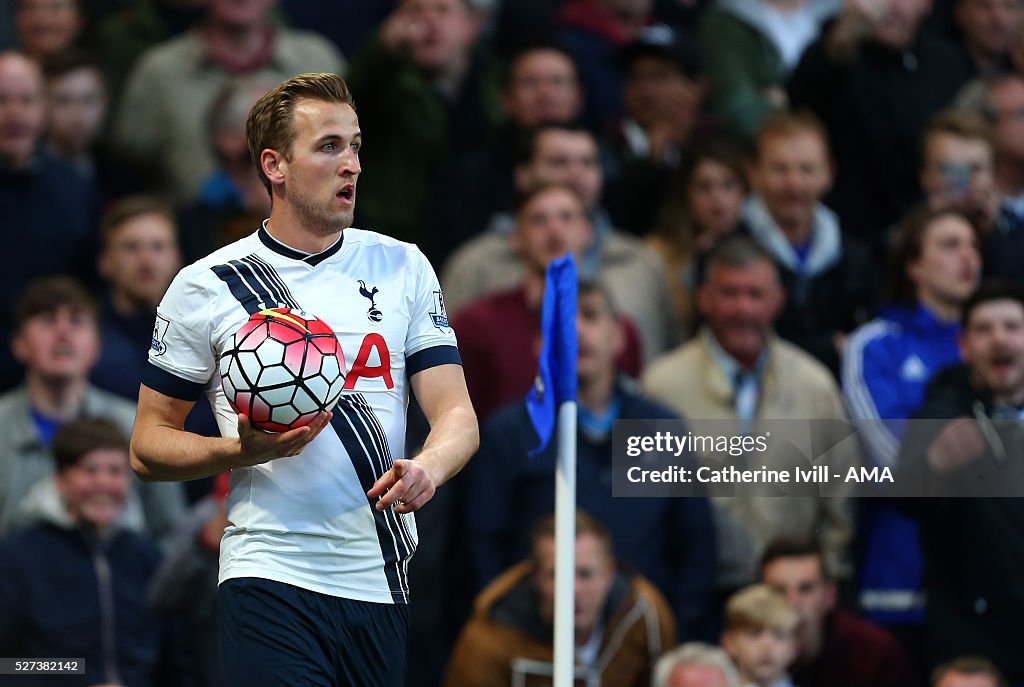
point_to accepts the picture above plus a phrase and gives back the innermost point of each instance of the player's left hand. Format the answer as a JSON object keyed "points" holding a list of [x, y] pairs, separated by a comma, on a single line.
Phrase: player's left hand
{"points": [[408, 485]]}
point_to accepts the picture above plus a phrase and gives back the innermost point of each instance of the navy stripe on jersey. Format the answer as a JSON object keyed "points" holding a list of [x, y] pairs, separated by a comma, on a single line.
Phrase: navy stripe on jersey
{"points": [[380, 440], [254, 291], [257, 277], [249, 294], [159, 379], [366, 444], [431, 357], [273, 279]]}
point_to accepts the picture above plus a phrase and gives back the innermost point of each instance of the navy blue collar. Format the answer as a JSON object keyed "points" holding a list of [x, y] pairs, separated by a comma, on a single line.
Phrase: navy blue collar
{"points": [[289, 252]]}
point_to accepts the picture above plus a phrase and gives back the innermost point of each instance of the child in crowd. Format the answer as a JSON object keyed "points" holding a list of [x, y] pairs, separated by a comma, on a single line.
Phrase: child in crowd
{"points": [[760, 636]]}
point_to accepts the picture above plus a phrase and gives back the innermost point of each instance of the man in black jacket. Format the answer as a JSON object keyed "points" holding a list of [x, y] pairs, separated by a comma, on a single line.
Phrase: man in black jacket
{"points": [[874, 77], [974, 547]]}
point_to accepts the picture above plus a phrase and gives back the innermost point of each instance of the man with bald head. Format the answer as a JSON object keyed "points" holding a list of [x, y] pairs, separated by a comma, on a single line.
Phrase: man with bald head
{"points": [[45, 202]]}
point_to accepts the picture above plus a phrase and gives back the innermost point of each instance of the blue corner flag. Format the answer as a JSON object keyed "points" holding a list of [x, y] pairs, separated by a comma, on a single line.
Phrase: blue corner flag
{"points": [[556, 377]]}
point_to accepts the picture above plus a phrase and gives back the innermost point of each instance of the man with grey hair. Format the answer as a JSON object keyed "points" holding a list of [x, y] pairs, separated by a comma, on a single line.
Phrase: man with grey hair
{"points": [[737, 374], [695, 665]]}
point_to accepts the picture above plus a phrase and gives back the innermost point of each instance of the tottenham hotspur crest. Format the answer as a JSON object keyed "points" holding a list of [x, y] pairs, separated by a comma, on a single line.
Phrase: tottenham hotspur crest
{"points": [[373, 314]]}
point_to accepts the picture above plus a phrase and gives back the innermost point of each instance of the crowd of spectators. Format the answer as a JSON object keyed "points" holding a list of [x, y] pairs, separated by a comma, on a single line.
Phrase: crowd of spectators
{"points": [[780, 209]]}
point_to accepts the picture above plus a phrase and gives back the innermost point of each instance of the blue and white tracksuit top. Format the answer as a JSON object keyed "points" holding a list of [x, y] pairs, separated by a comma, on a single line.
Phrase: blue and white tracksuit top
{"points": [[886, 368]]}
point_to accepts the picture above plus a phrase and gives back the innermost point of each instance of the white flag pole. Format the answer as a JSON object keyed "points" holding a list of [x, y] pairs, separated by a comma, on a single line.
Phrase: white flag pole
{"points": [[565, 546]]}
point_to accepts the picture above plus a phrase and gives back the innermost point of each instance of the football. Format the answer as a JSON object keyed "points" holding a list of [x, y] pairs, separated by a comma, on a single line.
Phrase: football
{"points": [[284, 367]]}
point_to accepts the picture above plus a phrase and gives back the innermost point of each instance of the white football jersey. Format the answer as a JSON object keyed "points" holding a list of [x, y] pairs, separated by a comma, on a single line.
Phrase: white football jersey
{"points": [[306, 520]]}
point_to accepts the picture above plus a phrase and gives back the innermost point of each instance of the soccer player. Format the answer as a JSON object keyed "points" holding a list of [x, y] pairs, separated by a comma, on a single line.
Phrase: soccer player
{"points": [[313, 580]]}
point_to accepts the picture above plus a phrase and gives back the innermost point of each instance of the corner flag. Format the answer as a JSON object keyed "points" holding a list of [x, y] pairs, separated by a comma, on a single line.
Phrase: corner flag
{"points": [[556, 377], [554, 395]]}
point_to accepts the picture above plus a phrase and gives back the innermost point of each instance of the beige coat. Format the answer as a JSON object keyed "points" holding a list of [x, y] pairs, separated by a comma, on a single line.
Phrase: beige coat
{"points": [[794, 387]]}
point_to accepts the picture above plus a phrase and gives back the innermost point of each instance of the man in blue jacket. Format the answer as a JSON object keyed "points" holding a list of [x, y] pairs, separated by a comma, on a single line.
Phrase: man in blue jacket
{"points": [[935, 266]]}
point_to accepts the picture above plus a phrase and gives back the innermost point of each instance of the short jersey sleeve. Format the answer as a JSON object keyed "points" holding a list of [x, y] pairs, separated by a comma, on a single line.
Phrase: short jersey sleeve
{"points": [[181, 358], [430, 340]]}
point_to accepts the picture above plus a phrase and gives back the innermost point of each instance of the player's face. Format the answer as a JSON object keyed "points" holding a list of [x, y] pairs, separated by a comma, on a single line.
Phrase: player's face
{"points": [[46, 27], [595, 571], [95, 488], [542, 89], [599, 337], [715, 196], [141, 259], [762, 655], [549, 226], [992, 345], [58, 346], [949, 266], [567, 157], [740, 304], [321, 175], [22, 109], [800, 579], [792, 174], [77, 105]]}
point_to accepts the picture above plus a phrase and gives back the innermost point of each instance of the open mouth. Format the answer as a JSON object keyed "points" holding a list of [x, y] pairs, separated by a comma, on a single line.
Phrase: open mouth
{"points": [[1002, 363], [347, 193]]}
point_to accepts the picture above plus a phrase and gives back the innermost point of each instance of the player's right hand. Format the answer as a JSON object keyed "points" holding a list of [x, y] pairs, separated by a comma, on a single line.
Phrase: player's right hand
{"points": [[260, 447]]}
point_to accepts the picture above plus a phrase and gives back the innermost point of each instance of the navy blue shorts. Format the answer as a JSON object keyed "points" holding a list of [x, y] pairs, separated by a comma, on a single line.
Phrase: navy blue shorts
{"points": [[274, 634]]}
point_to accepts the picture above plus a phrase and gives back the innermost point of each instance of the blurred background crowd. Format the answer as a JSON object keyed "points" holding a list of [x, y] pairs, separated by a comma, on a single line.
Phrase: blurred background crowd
{"points": [[806, 209]]}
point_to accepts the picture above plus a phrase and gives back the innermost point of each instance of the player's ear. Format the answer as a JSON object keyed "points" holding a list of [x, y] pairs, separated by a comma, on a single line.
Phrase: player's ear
{"points": [[274, 166]]}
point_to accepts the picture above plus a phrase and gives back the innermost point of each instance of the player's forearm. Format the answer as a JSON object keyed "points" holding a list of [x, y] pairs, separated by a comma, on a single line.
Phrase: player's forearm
{"points": [[167, 454], [452, 441]]}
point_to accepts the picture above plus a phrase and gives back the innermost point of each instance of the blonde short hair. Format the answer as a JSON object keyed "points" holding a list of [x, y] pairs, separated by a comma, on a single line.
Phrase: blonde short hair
{"points": [[759, 607]]}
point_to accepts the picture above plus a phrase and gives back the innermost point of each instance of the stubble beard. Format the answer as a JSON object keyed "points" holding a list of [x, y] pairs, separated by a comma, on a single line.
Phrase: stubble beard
{"points": [[318, 218]]}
